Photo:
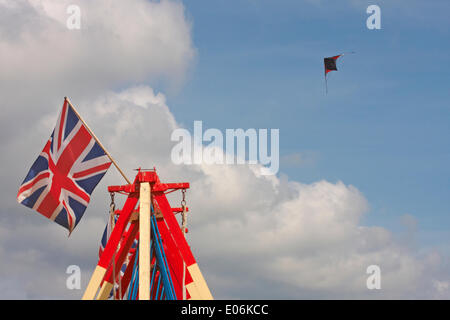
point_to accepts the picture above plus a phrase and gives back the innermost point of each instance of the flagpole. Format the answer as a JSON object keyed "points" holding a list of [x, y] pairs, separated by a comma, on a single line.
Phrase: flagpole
{"points": [[98, 141]]}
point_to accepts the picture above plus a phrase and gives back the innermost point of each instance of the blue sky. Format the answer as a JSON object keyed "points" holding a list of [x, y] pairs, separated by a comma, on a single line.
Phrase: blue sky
{"points": [[384, 125]]}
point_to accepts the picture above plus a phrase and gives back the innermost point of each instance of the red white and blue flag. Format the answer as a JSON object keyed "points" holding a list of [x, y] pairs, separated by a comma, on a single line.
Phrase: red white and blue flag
{"points": [[60, 182], [106, 234]]}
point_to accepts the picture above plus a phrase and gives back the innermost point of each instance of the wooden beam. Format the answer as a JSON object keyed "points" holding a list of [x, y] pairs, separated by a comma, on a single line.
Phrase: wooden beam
{"points": [[200, 282], [94, 283], [144, 241], [105, 290]]}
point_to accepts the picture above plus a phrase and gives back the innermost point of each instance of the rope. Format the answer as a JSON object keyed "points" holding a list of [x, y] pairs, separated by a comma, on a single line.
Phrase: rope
{"points": [[112, 209], [183, 229], [183, 214], [133, 275], [163, 265]]}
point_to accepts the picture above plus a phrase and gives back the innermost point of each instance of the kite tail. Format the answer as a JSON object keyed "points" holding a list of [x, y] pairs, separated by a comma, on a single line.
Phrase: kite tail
{"points": [[342, 54]]}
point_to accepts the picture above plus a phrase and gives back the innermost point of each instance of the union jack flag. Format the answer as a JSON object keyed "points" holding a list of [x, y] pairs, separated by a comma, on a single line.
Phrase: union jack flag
{"points": [[106, 235], [60, 182], [104, 241]]}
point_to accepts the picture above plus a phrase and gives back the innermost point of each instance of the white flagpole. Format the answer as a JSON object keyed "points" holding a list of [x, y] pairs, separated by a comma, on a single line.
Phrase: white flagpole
{"points": [[98, 141]]}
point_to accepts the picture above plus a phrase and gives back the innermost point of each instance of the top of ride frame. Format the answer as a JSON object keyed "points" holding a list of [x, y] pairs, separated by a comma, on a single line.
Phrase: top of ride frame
{"points": [[148, 175]]}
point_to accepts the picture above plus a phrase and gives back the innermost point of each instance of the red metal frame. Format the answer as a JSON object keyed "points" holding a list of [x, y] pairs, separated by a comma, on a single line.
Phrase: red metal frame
{"points": [[178, 252]]}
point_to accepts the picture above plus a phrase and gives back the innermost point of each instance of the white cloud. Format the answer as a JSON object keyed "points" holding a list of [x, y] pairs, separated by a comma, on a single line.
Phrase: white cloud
{"points": [[119, 43]]}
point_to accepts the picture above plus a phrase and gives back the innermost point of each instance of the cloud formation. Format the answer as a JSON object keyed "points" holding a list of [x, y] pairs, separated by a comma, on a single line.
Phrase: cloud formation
{"points": [[119, 43], [254, 236]]}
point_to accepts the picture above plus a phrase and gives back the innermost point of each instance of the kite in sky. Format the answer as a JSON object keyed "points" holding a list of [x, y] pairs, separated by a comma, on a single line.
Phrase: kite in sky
{"points": [[330, 65]]}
